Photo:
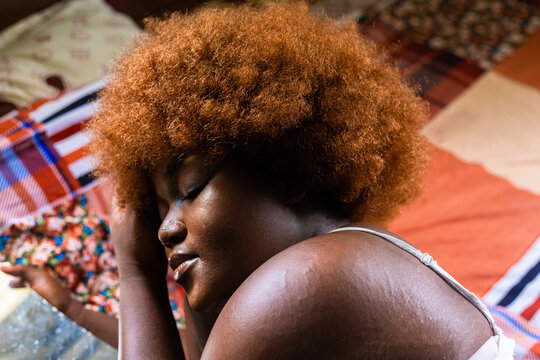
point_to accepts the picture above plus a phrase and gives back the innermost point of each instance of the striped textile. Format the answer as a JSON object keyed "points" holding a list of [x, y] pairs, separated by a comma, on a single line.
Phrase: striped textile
{"points": [[526, 335], [62, 119], [32, 174], [43, 158], [519, 289]]}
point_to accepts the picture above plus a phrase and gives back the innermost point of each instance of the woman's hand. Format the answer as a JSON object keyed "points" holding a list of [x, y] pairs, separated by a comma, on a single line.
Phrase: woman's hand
{"points": [[47, 286], [43, 283], [135, 240], [148, 329]]}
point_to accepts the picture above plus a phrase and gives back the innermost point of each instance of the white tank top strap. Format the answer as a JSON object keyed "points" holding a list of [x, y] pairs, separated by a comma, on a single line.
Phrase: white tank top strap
{"points": [[427, 260]]}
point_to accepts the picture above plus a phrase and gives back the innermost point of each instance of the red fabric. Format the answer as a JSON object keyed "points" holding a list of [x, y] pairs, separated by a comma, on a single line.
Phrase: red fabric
{"points": [[474, 224]]}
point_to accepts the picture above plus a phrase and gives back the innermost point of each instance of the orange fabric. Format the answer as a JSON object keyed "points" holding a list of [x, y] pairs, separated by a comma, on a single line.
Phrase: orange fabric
{"points": [[474, 224], [48, 180], [8, 125], [76, 155], [522, 65], [536, 349], [529, 312], [17, 136]]}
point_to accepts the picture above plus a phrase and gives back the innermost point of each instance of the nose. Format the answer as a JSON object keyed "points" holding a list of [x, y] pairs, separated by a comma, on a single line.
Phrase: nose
{"points": [[172, 230]]}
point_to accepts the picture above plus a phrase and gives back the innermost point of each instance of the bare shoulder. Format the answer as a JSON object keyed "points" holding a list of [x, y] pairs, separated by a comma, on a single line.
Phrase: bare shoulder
{"points": [[339, 295]]}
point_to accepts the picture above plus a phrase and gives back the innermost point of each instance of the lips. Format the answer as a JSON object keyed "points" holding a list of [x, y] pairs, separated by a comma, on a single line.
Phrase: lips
{"points": [[181, 263]]}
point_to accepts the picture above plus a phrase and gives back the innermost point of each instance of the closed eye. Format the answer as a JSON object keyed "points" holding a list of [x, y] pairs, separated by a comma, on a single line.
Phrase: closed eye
{"points": [[163, 206], [193, 193]]}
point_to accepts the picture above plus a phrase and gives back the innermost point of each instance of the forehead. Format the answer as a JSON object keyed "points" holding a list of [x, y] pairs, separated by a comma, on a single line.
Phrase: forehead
{"points": [[170, 169]]}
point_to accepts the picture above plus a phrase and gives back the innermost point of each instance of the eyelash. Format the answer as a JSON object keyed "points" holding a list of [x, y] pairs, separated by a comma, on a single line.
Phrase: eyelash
{"points": [[192, 194]]}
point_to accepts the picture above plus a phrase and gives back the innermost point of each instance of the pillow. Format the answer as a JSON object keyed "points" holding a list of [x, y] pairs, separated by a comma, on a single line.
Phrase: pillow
{"points": [[69, 44]]}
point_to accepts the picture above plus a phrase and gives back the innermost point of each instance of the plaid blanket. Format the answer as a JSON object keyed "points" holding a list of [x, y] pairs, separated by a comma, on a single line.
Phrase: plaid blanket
{"points": [[43, 153], [32, 173], [527, 337]]}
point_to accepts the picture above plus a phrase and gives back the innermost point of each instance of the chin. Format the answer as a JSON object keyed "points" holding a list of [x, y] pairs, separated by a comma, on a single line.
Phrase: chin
{"points": [[202, 303]]}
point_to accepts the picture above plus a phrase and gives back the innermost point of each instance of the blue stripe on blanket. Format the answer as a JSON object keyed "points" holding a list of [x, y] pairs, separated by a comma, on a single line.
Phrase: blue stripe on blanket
{"points": [[514, 323], [518, 288], [44, 149], [15, 169], [77, 103]]}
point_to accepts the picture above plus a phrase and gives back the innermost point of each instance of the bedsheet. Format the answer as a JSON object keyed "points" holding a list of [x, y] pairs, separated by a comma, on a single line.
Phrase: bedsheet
{"points": [[43, 153], [479, 214], [480, 210]]}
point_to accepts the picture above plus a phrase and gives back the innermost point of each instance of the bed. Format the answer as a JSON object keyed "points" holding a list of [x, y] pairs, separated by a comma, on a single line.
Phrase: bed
{"points": [[479, 215]]}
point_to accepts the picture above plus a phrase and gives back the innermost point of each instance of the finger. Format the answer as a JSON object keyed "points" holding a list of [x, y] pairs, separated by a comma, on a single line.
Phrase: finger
{"points": [[25, 272], [13, 270], [17, 283]]}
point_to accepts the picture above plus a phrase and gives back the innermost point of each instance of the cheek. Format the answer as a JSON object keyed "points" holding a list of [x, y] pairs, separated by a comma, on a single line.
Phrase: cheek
{"points": [[247, 231], [234, 220], [217, 206]]}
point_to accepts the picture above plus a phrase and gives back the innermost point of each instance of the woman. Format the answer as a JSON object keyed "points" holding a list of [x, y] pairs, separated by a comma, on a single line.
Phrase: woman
{"points": [[251, 143]]}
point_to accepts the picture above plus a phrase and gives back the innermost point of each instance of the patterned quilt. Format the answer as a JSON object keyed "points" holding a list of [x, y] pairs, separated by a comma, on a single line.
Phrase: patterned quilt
{"points": [[479, 215]]}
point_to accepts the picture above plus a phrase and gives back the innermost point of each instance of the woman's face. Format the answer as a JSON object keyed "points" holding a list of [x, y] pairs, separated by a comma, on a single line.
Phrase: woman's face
{"points": [[220, 224]]}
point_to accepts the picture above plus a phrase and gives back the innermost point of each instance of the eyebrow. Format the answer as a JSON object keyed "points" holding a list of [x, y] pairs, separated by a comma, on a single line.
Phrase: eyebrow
{"points": [[173, 165]]}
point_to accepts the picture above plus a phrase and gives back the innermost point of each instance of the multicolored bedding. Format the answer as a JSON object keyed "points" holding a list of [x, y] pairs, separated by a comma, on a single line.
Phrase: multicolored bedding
{"points": [[43, 159], [479, 215], [73, 245]]}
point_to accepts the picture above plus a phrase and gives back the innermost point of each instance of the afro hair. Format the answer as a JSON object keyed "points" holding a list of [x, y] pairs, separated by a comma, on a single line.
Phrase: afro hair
{"points": [[311, 100]]}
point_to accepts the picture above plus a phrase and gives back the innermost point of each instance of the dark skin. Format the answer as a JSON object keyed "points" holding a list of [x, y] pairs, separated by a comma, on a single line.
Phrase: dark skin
{"points": [[258, 257], [103, 326]]}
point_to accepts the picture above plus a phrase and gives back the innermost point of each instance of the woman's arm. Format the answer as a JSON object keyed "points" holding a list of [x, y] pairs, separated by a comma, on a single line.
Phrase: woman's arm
{"points": [[147, 326], [103, 326], [197, 330]]}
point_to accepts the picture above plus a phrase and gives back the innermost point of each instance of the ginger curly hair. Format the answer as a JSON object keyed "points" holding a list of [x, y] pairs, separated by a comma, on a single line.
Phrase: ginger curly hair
{"points": [[311, 100]]}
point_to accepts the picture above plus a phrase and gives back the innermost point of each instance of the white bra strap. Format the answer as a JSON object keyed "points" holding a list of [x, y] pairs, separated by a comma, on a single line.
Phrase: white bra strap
{"points": [[427, 260]]}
